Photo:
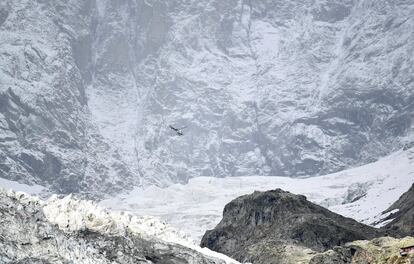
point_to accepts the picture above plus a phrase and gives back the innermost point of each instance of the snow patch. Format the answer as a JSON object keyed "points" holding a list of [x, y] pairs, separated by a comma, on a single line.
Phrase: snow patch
{"points": [[30, 189]]}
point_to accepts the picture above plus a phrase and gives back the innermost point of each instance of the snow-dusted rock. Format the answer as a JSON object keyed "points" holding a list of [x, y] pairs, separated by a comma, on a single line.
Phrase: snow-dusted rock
{"points": [[88, 88], [47, 135], [69, 230]]}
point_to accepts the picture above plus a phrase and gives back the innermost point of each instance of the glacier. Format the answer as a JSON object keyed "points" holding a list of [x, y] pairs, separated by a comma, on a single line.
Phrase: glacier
{"points": [[361, 193], [181, 213], [69, 230]]}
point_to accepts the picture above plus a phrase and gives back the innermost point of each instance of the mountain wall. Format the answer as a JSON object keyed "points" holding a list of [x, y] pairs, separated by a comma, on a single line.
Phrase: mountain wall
{"points": [[47, 132], [89, 88]]}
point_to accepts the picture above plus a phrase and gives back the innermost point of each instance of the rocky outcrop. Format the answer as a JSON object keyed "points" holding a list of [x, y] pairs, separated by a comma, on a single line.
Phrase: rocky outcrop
{"points": [[280, 227], [47, 135], [89, 87], [401, 218], [73, 231], [377, 251]]}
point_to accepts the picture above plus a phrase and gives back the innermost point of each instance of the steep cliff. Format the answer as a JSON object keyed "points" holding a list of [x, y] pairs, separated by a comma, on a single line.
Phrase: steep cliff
{"points": [[88, 88], [401, 214], [47, 135]]}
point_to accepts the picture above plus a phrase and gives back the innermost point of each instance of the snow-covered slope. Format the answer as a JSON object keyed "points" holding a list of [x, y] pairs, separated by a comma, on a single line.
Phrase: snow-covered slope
{"points": [[47, 133], [362, 193], [29, 189], [265, 87]]}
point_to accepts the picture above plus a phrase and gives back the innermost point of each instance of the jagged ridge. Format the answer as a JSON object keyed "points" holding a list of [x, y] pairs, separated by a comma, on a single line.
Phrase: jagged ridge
{"points": [[70, 230]]}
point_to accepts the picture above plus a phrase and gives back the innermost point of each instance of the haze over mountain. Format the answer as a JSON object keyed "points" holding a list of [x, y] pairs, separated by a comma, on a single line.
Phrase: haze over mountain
{"points": [[290, 88]]}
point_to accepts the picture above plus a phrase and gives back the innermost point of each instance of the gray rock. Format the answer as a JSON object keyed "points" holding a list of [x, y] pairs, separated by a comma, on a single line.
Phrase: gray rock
{"points": [[378, 250], [403, 219], [89, 87], [276, 221], [47, 135], [28, 237], [339, 255]]}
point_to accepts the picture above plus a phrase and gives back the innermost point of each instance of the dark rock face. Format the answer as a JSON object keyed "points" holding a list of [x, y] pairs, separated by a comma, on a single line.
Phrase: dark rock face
{"points": [[27, 237], [403, 219], [276, 219]]}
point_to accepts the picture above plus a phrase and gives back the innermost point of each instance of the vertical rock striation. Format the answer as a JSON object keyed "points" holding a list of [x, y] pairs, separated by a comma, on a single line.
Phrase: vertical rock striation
{"points": [[88, 89]]}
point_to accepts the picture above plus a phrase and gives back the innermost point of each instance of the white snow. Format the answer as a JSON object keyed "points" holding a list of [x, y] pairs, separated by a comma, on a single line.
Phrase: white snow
{"points": [[71, 214], [362, 193], [29, 189]]}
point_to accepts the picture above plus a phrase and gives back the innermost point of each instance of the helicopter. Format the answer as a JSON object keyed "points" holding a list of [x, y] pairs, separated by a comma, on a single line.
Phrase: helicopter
{"points": [[179, 131]]}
